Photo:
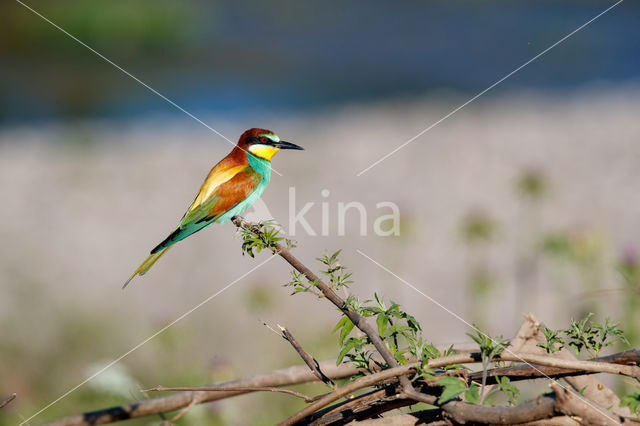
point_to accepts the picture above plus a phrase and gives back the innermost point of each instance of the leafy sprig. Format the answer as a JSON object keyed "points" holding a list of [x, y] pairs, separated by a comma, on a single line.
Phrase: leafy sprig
{"points": [[490, 347], [301, 285], [261, 235], [581, 335], [335, 271]]}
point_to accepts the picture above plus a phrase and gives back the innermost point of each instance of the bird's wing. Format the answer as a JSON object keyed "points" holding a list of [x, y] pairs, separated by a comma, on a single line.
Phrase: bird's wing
{"points": [[223, 189], [223, 197], [217, 176]]}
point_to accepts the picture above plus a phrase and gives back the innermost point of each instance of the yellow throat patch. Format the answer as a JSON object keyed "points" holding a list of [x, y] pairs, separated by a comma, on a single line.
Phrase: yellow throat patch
{"points": [[263, 151]]}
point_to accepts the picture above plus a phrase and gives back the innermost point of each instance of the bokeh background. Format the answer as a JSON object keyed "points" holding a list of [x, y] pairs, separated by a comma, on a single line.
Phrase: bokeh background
{"points": [[526, 200]]}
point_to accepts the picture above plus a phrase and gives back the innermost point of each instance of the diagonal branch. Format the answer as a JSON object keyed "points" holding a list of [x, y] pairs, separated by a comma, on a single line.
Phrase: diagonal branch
{"points": [[7, 400], [306, 357]]}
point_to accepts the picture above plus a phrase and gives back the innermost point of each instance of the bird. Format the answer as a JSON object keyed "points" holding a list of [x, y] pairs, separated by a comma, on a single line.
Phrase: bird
{"points": [[230, 188]]}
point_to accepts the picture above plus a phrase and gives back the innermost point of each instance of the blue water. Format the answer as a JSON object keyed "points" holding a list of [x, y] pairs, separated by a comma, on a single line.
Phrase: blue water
{"points": [[250, 56]]}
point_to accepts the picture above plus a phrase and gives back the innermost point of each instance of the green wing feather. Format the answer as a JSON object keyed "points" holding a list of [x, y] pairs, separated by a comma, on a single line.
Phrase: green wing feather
{"points": [[245, 186]]}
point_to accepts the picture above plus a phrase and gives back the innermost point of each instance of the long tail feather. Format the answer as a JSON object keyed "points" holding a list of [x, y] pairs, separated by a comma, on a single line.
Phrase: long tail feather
{"points": [[146, 265]]}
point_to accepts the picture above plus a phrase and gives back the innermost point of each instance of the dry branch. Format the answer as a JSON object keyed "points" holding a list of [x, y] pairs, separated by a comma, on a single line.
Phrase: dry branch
{"points": [[527, 372], [7, 400], [586, 413], [306, 356], [181, 413], [235, 389]]}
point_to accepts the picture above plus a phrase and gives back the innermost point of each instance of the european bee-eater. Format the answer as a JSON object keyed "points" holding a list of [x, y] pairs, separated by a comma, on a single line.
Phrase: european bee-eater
{"points": [[231, 187]]}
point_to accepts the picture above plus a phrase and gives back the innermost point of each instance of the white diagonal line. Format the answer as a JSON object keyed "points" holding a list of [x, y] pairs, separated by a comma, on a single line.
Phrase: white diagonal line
{"points": [[480, 331], [132, 76], [489, 88], [102, 370]]}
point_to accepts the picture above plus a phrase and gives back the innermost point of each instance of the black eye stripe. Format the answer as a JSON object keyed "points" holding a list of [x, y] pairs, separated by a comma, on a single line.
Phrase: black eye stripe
{"points": [[262, 140]]}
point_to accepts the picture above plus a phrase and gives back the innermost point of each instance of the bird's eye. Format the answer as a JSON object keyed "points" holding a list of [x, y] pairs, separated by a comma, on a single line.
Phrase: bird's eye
{"points": [[264, 139]]}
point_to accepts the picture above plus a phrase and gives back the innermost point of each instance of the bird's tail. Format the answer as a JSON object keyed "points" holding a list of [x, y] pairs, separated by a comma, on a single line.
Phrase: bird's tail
{"points": [[147, 264]]}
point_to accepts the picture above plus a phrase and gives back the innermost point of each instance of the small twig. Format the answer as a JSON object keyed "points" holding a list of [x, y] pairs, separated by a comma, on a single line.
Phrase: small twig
{"points": [[270, 328], [7, 400], [146, 396], [237, 389], [182, 412], [306, 357]]}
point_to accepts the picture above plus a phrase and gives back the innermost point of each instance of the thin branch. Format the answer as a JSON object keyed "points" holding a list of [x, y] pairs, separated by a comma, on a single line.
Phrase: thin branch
{"points": [[237, 389], [146, 396], [591, 366], [182, 412], [7, 400], [526, 372], [306, 357]]}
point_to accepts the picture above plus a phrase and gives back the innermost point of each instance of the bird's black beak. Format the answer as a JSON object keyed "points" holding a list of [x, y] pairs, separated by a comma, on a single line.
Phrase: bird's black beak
{"points": [[286, 145]]}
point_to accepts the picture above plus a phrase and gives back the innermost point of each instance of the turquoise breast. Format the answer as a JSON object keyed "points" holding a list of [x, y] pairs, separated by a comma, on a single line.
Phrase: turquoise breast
{"points": [[263, 168]]}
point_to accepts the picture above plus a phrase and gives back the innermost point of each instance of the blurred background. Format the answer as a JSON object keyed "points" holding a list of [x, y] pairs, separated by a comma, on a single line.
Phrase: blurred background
{"points": [[525, 200]]}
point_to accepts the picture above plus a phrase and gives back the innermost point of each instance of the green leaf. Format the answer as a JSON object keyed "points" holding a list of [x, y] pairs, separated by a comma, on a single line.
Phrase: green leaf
{"points": [[510, 391], [382, 321], [380, 302], [343, 321], [453, 387], [399, 356], [350, 344], [430, 351], [632, 401], [472, 394], [346, 329], [411, 321]]}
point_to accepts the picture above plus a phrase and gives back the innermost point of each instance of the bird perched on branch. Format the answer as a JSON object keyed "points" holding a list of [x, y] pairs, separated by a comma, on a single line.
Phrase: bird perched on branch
{"points": [[231, 187]]}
